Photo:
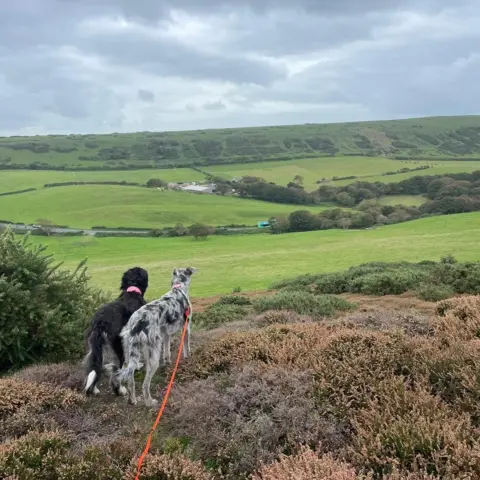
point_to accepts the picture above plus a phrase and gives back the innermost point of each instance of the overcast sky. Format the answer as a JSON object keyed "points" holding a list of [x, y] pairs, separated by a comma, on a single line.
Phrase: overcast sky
{"points": [[132, 65]]}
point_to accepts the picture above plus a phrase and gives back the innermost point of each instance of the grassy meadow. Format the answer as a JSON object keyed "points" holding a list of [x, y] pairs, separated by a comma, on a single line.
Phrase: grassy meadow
{"points": [[11, 180], [254, 262], [369, 169], [85, 206]]}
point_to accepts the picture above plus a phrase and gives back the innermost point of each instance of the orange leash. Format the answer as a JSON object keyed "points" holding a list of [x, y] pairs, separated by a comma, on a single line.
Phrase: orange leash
{"points": [[165, 399]]}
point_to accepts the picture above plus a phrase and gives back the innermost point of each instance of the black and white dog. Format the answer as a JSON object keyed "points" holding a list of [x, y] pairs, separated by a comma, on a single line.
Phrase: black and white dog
{"points": [[107, 323], [148, 332]]}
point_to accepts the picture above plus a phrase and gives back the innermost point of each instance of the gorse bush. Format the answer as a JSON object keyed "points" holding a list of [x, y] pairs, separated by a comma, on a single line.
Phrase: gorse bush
{"points": [[303, 303], [431, 280], [43, 310]]}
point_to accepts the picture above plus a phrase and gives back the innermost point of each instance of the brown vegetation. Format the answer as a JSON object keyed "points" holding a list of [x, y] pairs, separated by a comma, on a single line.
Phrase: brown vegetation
{"points": [[370, 394]]}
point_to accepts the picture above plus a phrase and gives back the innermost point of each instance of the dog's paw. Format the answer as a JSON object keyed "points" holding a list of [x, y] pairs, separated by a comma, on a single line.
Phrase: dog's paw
{"points": [[122, 391], [151, 403], [132, 401], [96, 391]]}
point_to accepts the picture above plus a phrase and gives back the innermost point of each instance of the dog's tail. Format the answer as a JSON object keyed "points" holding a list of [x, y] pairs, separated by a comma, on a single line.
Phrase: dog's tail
{"points": [[94, 359]]}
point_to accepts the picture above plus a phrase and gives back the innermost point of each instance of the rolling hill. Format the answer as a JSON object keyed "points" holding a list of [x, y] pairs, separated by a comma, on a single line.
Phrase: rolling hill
{"points": [[423, 138]]}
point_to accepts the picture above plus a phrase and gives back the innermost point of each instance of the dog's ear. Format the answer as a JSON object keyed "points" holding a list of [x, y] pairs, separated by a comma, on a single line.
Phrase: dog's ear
{"points": [[191, 270], [175, 272]]}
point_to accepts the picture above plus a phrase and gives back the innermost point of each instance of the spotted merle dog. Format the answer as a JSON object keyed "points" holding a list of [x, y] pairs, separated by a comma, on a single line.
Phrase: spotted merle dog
{"points": [[107, 323], [150, 328]]}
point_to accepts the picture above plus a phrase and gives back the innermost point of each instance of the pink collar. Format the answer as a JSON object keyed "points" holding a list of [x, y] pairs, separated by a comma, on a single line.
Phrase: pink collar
{"points": [[177, 285], [134, 289]]}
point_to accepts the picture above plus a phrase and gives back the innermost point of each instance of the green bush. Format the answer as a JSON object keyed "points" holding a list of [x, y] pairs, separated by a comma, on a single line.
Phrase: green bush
{"points": [[388, 283], [234, 300], [304, 303], [44, 309], [218, 314], [434, 293], [379, 278]]}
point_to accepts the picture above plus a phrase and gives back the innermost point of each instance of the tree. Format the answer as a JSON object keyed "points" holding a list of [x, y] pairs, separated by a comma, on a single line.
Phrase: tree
{"points": [[345, 223], [46, 224], [301, 221], [156, 183], [222, 188], [279, 224], [198, 230], [343, 198], [180, 230], [298, 179]]}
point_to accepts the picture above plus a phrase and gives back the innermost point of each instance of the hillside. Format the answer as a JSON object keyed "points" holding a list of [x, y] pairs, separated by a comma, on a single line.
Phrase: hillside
{"points": [[428, 138]]}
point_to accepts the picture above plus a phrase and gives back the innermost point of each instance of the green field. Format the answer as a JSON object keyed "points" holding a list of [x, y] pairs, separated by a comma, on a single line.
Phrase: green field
{"points": [[85, 206], [438, 168], [369, 169], [311, 169], [420, 138], [253, 262], [11, 180]]}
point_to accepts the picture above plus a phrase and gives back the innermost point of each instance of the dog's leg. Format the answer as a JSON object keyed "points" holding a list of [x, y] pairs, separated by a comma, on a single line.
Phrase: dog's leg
{"points": [[132, 399], [152, 362], [115, 385], [186, 343], [117, 347], [166, 348]]}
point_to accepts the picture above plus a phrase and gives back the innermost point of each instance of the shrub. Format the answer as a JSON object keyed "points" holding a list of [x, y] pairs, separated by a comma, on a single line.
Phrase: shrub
{"points": [[44, 309], [249, 418], [234, 300], [388, 283], [411, 429], [352, 365], [34, 456], [307, 465], [410, 321], [271, 317], [218, 314], [459, 319], [291, 346], [377, 278], [15, 395], [168, 467], [62, 375], [303, 303], [434, 293]]}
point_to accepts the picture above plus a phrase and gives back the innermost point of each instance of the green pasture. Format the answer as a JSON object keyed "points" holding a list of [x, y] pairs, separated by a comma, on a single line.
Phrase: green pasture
{"points": [[84, 206], [11, 180], [253, 262], [369, 169]]}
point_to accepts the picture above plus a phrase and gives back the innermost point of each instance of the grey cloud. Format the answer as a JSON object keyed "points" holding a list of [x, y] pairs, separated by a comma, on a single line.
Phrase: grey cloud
{"points": [[167, 58], [146, 96], [55, 76], [215, 106]]}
